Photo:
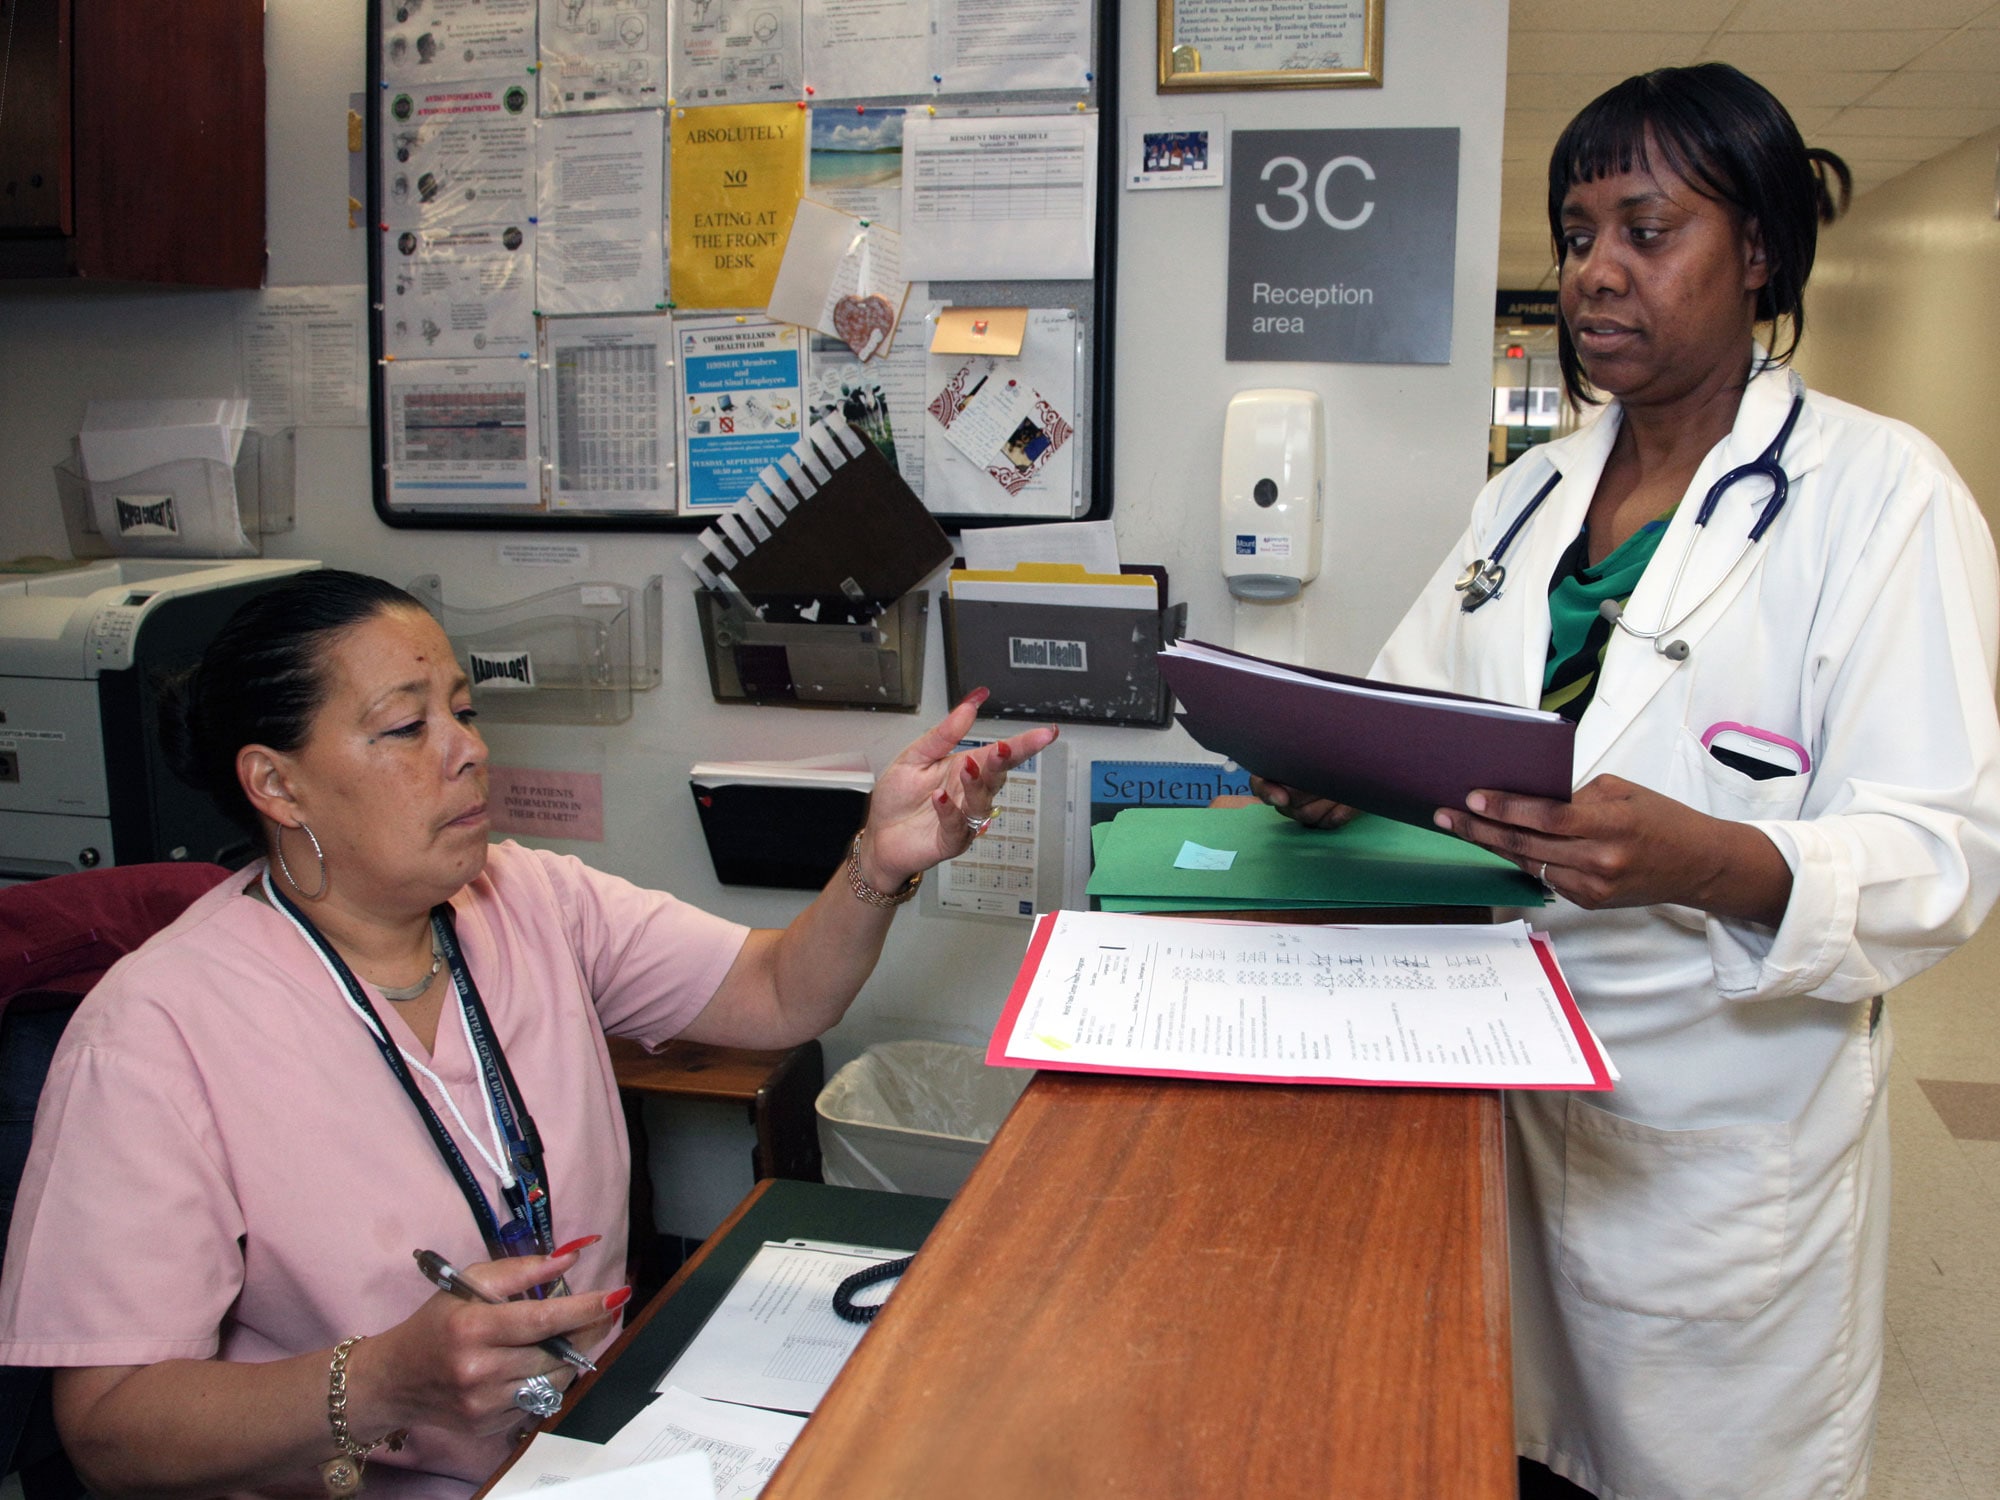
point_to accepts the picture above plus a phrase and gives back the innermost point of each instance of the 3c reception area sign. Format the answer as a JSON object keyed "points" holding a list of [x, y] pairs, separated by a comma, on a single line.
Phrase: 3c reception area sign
{"points": [[1341, 245]]}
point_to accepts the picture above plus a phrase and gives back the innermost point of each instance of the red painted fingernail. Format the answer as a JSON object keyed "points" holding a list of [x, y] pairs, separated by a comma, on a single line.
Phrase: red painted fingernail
{"points": [[618, 1299], [977, 695], [966, 766], [941, 799], [1001, 752], [575, 1245]]}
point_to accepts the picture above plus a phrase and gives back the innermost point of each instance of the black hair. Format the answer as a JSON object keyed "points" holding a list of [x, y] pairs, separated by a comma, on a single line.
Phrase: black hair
{"points": [[1730, 139], [263, 678]]}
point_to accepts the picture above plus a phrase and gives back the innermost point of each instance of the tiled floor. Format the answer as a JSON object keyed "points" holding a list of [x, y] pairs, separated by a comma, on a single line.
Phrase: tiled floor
{"points": [[1939, 1436]]}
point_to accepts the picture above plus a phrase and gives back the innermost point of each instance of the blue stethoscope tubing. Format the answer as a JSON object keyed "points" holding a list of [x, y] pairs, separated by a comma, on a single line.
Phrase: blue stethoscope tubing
{"points": [[1483, 578]]}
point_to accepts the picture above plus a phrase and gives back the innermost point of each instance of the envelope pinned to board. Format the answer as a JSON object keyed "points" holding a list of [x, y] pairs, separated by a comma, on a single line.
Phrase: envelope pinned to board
{"points": [[998, 331]]}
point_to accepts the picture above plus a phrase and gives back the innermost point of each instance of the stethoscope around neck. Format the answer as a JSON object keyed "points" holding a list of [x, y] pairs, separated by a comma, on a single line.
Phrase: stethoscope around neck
{"points": [[1484, 577]]}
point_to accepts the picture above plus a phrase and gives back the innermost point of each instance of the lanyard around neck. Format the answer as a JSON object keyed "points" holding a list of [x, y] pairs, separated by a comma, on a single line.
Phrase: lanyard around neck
{"points": [[517, 1158]]}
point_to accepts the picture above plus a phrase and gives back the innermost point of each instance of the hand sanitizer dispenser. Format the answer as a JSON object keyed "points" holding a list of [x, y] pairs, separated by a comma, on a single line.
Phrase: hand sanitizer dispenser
{"points": [[1273, 491], [1273, 463]]}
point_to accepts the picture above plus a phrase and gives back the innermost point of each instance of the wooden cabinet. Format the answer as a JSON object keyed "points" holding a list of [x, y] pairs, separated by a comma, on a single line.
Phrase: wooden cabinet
{"points": [[132, 141]]}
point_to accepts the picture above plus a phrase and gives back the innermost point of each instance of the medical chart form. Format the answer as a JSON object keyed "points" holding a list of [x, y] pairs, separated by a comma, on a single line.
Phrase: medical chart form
{"points": [[1011, 198], [1440, 1006]]}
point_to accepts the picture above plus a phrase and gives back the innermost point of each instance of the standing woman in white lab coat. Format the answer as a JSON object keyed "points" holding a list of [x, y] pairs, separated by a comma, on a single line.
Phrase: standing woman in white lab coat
{"points": [[1787, 801]]}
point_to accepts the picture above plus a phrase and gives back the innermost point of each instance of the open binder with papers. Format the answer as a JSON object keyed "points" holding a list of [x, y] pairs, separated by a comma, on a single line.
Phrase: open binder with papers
{"points": [[1402, 752]]}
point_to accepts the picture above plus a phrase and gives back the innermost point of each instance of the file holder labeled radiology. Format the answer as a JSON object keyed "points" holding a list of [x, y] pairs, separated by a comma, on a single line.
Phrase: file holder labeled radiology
{"points": [[1077, 663], [572, 655]]}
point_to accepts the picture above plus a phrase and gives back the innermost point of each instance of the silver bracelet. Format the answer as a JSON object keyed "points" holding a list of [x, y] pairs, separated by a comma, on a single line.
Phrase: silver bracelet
{"points": [[867, 893], [341, 1474]]}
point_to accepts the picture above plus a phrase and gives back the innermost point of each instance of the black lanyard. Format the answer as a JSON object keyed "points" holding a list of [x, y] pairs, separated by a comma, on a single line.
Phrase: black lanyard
{"points": [[530, 1230]]}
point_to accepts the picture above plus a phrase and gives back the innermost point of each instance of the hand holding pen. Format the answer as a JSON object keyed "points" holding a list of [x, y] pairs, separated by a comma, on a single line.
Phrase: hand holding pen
{"points": [[442, 1274]]}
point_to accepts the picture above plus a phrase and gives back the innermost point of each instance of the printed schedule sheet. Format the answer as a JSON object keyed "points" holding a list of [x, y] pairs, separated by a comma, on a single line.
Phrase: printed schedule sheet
{"points": [[1438, 1006]]}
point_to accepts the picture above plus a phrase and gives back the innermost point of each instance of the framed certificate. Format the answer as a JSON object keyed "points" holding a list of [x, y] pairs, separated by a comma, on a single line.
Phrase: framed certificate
{"points": [[1270, 44]]}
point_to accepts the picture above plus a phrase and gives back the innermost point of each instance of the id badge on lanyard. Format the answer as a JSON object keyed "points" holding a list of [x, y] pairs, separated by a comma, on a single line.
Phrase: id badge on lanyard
{"points": [[517, 1160]]}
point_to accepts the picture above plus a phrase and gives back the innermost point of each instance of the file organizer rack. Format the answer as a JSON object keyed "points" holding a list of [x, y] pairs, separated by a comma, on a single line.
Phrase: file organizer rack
{"points": [[266, 472], [878, 664], [571, 655], [1064, 662]]}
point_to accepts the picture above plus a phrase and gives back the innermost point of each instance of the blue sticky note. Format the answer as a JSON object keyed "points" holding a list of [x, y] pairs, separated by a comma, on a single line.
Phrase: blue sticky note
{"points": [[1194, 857]]}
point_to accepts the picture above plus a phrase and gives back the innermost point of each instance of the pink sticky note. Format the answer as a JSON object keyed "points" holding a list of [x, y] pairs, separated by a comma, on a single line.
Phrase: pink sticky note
{"points": [[546, 804]]}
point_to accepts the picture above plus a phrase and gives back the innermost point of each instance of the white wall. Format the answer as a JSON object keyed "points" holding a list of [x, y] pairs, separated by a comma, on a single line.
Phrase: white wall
{"points": [[1902, 317], [1409, 448]]}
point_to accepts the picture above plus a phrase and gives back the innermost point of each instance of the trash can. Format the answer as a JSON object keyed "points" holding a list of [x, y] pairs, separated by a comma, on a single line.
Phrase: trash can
{"points": [[912, 1117]]}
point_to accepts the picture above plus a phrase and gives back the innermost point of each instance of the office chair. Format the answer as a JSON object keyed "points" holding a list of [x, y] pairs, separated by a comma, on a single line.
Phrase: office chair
{"points": [[57, 937]]}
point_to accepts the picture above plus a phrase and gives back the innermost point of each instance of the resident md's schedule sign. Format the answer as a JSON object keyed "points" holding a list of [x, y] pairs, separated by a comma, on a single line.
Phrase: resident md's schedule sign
{"points": [[1341, 245]]}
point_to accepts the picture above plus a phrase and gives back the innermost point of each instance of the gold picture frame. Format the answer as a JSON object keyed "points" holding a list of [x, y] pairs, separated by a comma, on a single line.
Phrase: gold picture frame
{"points": [[1238, 58]]}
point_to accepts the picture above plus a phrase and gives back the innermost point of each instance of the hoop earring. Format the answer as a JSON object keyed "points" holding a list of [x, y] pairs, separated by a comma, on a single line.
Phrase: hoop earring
{"points": [[291, 879]]}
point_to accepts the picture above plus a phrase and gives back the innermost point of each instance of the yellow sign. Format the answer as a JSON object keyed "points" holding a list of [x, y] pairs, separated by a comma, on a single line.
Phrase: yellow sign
{"points": [[737, 173]]}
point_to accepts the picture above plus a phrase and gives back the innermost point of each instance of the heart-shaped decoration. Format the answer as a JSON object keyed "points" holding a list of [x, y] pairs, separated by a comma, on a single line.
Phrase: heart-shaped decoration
{"points": [[864, 324]]}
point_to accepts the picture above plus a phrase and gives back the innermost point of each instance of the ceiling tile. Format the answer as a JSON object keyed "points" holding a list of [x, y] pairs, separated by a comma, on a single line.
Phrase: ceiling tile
{"points": [[1620, 52], [1761, 52], [1858, 149], [1811, 90], [1867, 179], [1971, 90], [1850, 15], [1970, 51], [1567, 92], [1960, 124], [1621, 15]]}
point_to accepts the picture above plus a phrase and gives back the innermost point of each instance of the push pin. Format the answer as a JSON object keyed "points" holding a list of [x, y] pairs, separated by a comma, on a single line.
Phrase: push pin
{"points": [[979, 325]]}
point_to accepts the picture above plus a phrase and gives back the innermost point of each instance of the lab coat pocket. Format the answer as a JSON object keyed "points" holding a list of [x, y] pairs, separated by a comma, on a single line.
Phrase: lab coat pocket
{"points": [[1673, 1223], [1722, 791]]}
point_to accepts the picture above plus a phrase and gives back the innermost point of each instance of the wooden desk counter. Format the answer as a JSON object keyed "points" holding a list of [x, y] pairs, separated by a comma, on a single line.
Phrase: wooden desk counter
{"points": [[1161, 1288]]}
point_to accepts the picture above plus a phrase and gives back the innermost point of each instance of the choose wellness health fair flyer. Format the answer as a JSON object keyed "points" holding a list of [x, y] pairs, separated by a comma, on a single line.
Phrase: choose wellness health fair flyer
{"points": [[742, 404]]}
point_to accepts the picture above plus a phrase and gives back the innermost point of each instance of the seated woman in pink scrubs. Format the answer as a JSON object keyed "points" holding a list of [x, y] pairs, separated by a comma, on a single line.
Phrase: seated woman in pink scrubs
{"points": [[389, 1036]]}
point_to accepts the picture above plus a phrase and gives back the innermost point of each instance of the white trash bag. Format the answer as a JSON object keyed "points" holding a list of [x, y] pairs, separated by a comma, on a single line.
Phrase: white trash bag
{"points": [[912, 1117]]}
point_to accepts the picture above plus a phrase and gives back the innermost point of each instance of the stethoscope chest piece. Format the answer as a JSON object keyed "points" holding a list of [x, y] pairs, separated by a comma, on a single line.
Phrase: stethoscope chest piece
{"points": [[1480, 582]]}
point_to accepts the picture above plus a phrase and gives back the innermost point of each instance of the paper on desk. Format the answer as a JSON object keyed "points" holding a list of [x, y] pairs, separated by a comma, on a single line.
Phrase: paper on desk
{"points": [[743, 1443], [549, 1460], [1439, 1006], [775, 1340], [685, 1476]]}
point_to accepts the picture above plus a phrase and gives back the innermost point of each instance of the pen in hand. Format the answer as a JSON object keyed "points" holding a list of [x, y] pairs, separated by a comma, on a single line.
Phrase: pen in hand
{"points": [[446, 1277]]}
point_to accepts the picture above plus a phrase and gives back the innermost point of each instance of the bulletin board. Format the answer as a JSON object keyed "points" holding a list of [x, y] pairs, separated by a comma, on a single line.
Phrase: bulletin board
{"points": [[585, 221]]}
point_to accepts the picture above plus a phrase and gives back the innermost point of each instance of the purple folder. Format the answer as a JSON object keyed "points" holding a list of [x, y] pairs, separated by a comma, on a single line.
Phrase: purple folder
{"points": [[1403, 756]]}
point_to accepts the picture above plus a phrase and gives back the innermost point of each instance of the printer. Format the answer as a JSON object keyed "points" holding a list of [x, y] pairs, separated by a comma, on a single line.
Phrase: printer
{"points": [[83, 654]]}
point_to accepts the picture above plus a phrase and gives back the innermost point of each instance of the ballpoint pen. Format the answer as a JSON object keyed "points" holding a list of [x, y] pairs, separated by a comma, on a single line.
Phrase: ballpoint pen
{"points": [[442, 1274]]}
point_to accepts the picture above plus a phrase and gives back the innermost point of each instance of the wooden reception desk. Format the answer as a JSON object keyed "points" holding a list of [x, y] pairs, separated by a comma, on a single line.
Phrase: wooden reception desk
{"points": [[1161, 1288]]}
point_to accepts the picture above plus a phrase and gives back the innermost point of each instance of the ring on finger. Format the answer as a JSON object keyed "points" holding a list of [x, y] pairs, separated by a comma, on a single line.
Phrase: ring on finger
{"points": [[538, 1397], [977, 826], [1544, 876]]}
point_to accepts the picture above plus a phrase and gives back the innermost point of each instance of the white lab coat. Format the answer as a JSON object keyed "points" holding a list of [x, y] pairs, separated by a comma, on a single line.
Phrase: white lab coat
{"points": [[1699, 1256]]}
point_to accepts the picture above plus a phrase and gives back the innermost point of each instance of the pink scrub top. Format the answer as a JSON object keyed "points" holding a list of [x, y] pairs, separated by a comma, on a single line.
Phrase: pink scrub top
{"points": [[224, 1166]]}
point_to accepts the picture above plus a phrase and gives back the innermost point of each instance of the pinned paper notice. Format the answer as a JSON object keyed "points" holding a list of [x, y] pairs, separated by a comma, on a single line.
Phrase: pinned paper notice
{"points": [[980, 330], [546, 804], [840, 276], [1194, 857]]}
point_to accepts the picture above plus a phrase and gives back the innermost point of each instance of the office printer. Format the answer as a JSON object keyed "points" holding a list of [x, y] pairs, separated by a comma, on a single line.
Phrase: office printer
{"points": [[82, 657]]}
